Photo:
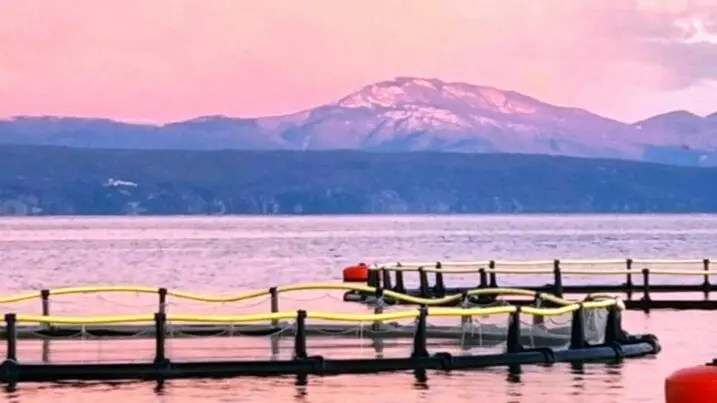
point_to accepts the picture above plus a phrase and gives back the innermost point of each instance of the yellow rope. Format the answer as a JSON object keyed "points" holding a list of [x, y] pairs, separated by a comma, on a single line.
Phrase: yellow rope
{"points": [[283, 289], [329, 316]]}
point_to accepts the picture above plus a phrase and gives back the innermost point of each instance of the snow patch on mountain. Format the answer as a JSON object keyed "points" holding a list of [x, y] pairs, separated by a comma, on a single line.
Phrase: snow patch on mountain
{"points": [[111, 182], [438, 96], [374, 96]]}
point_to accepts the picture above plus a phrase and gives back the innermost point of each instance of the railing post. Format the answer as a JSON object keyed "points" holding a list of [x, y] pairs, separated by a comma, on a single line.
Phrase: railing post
{"points": [[557, 279], [483, 278], [11, 336], [45, 296], [646, 289], [628, 279], [162, 292], [300, 336], [399, 282], [46, 351], [378, 292], [378, 308], [419, 338], [706, 286], [274, 295], [513, 339], [613, 326], [373, 278], [423, 279], [160, 330], [577, 329], [440, 287], [493, 283], [386, 278]]}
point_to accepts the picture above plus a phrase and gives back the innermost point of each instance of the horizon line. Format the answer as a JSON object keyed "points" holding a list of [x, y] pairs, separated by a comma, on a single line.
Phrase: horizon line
{"points": [[159, 123]]}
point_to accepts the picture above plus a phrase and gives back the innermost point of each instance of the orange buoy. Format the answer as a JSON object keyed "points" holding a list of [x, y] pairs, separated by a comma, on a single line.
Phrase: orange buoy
{"points": [[356, 274], [692, 385]]}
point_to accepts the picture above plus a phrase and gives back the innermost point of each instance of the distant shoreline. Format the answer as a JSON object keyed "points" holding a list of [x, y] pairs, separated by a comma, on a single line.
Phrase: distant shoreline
{"points": [[371, 215], [63, 181]]}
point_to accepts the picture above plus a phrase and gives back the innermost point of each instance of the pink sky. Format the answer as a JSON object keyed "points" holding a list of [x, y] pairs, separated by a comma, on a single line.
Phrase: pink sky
{"points": [[162, 60]]}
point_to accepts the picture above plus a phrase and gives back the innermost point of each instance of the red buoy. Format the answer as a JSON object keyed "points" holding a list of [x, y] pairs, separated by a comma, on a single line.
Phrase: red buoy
{"points": [[356, 274], [692, 385]]}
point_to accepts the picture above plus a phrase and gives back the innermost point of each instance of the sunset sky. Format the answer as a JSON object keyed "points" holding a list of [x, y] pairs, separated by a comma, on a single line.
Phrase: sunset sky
{"points": [[162, 60]]}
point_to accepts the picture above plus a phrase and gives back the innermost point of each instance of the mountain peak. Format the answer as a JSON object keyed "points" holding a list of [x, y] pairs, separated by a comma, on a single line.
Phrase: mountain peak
{"points": [[712, 116], [679, 114], [208, 118], [679, 123], [392, 93], [414, 92], [673, 117]]}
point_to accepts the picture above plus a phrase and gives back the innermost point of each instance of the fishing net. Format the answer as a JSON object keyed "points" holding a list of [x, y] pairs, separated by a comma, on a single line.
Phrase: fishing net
{"points": [[477, 334]]}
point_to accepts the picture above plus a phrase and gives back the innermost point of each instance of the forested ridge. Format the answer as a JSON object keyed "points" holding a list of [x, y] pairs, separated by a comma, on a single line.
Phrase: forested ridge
{"points": [[47, 180]]}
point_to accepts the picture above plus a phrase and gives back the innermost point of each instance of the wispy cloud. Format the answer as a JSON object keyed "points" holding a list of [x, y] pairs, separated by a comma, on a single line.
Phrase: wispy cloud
{"points": [[682, 41]]}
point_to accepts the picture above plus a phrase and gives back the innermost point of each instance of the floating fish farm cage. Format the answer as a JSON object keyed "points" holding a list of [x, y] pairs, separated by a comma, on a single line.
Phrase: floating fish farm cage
{"points": [[471, 329], [642, 280]]}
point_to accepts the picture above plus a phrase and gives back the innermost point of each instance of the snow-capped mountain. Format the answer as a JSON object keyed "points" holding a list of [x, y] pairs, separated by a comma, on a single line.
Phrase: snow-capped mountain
{"points": [[420, 114], [406, 114]]}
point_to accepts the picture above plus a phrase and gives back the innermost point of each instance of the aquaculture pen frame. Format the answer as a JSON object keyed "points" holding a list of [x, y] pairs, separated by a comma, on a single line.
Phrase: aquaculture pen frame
{"points": [[379, 276], [617, 346]]}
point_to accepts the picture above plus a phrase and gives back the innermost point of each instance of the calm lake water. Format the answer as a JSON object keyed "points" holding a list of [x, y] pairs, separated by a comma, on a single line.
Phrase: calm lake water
{"points": [[231, 255]]}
